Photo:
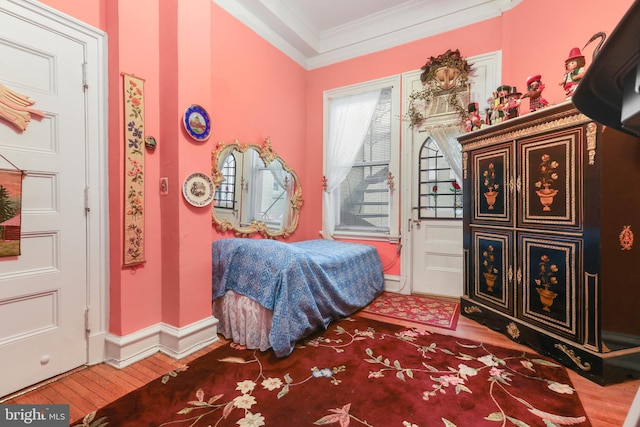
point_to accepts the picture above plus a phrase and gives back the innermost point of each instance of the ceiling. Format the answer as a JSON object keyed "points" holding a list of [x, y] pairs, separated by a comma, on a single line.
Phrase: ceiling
{"points": [[316, 33]]}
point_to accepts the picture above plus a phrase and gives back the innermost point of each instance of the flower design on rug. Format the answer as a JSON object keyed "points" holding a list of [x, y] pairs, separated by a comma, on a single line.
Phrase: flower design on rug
{"points": [[345, 376], [497, 371]]}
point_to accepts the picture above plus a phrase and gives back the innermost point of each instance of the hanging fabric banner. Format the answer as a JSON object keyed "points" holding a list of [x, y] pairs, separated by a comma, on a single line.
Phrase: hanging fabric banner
{"points": [[10, 212], [16, 108], [133, 170]]}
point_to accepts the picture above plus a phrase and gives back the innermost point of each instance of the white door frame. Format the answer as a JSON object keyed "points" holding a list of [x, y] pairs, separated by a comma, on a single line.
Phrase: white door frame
{"points": [[94, 43], [489, 66]]}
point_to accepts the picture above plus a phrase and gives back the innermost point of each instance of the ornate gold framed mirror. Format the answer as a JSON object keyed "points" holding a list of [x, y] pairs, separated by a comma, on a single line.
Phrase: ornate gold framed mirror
{"points": [[255, 191]]}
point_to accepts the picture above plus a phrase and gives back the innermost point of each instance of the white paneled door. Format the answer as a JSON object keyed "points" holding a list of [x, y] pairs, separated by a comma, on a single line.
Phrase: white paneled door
{"points": [[43, 291], [435, 262], [436, 246]]}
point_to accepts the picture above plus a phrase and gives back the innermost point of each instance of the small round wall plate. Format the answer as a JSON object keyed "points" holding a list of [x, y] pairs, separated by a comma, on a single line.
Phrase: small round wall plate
{"points": [[198, 189], [197, 122]]}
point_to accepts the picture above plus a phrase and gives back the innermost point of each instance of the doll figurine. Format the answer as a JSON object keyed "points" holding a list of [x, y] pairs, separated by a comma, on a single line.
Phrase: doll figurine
{"points": [[499, 104], [488, 111], [574, 71], [512, 105], [534, 93], [474, 121]]}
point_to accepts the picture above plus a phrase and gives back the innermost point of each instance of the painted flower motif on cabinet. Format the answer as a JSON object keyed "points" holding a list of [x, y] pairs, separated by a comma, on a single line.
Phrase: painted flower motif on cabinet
{"points": [[489, 181], [548, 172], [490, 270], [548, 175], [547, 277]]}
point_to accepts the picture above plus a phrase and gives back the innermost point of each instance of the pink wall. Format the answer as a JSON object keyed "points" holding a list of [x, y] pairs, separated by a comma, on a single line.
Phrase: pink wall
{"points": [[187, 53], [535, 38], [194, 52]]}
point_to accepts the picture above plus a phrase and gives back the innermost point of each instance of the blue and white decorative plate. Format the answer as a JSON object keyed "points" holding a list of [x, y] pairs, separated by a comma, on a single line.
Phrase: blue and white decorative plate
{"points": [[197, 122]]}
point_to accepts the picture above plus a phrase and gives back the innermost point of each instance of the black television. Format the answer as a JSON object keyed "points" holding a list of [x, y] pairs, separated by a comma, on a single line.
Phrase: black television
{"points": [[609, 92]]}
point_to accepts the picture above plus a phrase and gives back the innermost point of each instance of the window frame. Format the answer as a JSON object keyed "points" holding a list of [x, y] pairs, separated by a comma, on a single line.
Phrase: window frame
{"points": [[427, 170], [230, 164], [393, 234]]}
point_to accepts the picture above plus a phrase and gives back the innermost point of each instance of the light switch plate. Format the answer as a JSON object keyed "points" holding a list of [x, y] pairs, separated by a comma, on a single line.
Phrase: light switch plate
{"points": [[164, 186]]}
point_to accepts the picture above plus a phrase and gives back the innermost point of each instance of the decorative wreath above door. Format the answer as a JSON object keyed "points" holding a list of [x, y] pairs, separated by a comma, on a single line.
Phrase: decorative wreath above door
{"points": [[445, 88]]}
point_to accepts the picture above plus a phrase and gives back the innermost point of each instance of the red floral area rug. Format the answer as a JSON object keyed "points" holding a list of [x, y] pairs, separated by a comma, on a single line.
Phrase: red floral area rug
{"points": [[360, 372], [424, 310]]}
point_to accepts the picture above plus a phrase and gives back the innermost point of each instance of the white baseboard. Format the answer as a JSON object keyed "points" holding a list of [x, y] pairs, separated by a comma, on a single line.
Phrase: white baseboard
{"points": [[175, 342], [395, 284]]}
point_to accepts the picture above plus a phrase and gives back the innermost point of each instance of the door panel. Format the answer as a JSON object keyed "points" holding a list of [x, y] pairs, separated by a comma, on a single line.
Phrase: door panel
{"points": [[491, 172], [550, 294], [551, 165], [437, 257], [493, 269], [43, 291]]}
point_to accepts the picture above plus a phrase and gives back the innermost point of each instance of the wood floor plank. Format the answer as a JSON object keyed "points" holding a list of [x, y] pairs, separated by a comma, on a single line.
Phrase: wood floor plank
{"points": [[101, 385], [141, 377], [159, 365], [63, 393], [97, 399], [143, 370], [52, 394], [118, 376], [82, 389], [26, 399]]}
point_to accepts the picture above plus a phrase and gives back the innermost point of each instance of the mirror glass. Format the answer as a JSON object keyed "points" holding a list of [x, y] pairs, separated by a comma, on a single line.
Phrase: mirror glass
{"points": [[255, 191]]}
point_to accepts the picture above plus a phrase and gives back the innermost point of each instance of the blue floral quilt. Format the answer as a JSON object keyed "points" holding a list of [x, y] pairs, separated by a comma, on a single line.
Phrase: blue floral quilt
{"points": [[306, 284]]}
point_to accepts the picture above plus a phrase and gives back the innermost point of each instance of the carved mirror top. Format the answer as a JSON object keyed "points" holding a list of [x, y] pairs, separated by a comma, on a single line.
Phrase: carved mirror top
{"points": [[255, 191]]}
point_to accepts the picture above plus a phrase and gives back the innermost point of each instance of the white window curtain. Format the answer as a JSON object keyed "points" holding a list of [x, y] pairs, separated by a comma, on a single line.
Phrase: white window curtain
{"points": [[445, 137], [349, 119]]}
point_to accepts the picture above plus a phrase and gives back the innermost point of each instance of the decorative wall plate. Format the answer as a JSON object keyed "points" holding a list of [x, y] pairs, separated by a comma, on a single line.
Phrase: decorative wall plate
{"points": [[198, 189], [197, 122]]}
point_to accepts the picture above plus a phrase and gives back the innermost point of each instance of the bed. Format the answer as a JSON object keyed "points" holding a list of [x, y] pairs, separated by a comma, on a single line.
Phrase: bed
{"points": [[269, 294]]}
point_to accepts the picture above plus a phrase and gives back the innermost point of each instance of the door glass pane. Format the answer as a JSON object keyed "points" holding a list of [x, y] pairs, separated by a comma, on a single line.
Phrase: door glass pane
{"points": [[440, 195]]}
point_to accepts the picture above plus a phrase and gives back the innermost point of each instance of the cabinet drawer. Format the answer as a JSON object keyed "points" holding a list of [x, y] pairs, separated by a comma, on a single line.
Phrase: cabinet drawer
{"points": [[492, 267], [548, 274]]}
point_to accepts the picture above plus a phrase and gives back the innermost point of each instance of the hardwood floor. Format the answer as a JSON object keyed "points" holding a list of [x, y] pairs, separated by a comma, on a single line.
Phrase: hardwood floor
{"points": [[89, 388]]}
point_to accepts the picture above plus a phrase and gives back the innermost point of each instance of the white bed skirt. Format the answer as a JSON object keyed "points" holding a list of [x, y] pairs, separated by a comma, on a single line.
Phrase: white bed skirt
{"points": [[243, 320]]}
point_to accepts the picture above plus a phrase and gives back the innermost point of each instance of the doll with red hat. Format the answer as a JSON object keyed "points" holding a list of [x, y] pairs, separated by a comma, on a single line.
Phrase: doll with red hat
{"points": [[534, 93], [574, 71]]}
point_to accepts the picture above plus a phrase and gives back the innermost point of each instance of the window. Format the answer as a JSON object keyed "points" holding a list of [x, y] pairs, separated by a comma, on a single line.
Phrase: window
{"points": [[361, 160], [270, 194], [226, 194], [440, 195]]}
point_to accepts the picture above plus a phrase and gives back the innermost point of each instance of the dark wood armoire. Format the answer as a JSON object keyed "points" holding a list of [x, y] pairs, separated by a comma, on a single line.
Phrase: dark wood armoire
{"points": [[551, 208]]}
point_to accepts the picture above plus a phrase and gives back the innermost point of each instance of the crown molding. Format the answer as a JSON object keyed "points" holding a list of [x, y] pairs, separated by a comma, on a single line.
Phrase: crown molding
{"points": [[284, 26]]}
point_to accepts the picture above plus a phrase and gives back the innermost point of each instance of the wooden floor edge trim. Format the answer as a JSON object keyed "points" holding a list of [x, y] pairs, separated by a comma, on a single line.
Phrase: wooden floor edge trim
{"points": [[41, 384]]}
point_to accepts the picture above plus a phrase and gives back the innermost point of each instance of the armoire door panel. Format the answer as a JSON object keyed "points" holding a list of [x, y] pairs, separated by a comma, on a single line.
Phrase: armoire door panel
{"points": [[492, 185], [493, 268], [549, 292], [550, 169]]}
